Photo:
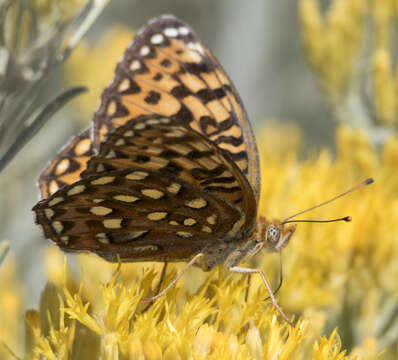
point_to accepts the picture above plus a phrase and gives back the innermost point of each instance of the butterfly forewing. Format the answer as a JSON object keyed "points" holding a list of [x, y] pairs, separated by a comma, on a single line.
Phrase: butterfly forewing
{"points": [[167, 70], [67, 165]]}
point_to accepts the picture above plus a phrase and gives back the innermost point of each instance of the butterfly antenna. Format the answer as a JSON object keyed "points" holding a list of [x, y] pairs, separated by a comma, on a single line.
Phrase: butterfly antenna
{"points": [[346, 218]]}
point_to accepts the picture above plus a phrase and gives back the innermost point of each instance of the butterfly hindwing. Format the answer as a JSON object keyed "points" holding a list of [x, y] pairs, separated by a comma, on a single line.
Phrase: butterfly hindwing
{"points": [[67, 165], [167, 70]]}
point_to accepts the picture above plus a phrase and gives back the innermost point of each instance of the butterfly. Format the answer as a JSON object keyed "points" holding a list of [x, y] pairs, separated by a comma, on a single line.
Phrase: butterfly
{"points": [[169, 170]]}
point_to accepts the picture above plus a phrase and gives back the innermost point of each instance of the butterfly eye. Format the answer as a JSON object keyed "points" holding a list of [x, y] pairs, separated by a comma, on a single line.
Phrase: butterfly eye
{"points": [[273, 234]]}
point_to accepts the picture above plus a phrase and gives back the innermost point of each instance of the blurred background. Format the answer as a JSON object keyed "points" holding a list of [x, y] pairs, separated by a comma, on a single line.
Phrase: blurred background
{"points": [[303, 68]]}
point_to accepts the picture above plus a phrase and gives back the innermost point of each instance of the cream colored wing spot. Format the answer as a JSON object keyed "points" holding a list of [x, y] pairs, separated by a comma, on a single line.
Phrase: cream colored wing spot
{"points": [[135, 65], [153, 122], [76, 190], [212, 219], [198, 203], [64, 239], [49, 213], [100, 168], [124, 85], [152, 193], [110, 155], [82, 147], [102, 238], [157, 215], [206, 229], [57, 226], [120, 142], [126, 198], [111, 109], [183, 30], [97, 201], [189, 222], [170, 32], [129, 133], [173, 223], [55, 201], [103, 180], [175, 133], [62, 166], [184, 234], [145, 50], [181, 149], [136, 234], [113, 223], [139, 249], [174, 188], [237, 226], [140, 126], [157, 39], [53, 187], [165, 121], [137, 175], [100, 210]]}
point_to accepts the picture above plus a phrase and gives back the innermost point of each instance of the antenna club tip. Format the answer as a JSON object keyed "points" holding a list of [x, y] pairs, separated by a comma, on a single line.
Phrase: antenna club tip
{"points": [[369, 181], [347, 218]]}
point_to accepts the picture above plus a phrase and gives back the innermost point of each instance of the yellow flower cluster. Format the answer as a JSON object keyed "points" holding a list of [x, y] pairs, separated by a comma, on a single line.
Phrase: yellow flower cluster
{"points": [[337, 46], [335, 275], [333, 42]]}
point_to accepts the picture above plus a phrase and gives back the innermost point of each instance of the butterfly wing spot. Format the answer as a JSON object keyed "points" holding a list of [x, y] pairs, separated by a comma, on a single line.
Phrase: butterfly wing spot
{"points": [[110, 155], [174, 188], [76, 190], [189, 222], [206, 229], [120, 142], [157, 39], [175, 133], [170, 32], [112, 223], [100, 168], [137, 175], [56, 201], [53, 187], [165, 120], [157, 215], [144, 248], [196, 203], [62, 166], [111, 109], [57, 226], [102, 238], [183, 30], [136, 234], [49, 213], [153, 193], [100, 210], [83, 147], [153, 122], [103, 180], [97, 201], [184, 150], [126, 198], [129, 133], [173, 223], [184, 234], [152, 98], [140, 126], [124, 85], [145, 50], [65, 239], [135, 65], [212, 219]]}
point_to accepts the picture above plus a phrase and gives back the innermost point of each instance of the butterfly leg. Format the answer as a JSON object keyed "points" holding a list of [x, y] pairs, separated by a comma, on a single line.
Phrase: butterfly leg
{"points": [[257, 271], [179, 275], [159, 285]]}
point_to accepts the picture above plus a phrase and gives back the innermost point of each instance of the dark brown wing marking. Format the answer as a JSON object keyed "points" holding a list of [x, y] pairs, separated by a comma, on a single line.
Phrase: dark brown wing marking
{"points": [[168, 71], [67, 165]]}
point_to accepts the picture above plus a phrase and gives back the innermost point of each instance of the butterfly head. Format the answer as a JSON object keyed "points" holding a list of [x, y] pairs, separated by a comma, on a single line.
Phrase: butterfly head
{"points": [[274, 234]]}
